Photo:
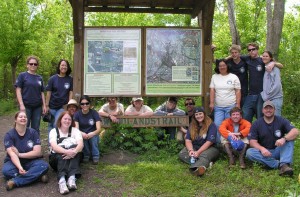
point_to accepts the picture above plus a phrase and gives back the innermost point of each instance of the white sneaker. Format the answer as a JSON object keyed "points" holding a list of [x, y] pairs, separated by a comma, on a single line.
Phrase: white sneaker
{"points": [[72, 184], [63, 189]]}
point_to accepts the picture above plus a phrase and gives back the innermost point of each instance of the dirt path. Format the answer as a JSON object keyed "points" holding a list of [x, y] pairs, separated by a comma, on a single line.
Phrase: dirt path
{"points": [[88, 185]]}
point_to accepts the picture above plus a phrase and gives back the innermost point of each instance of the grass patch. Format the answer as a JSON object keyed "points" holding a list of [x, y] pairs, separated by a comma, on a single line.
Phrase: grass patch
{"points": [[161, 174], [7, 107]]}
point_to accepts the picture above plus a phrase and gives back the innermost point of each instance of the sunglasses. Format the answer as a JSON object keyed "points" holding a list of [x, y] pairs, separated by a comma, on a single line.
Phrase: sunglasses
{"points": [[84, 103], [189, 104], [253, 49], [33, 64]]}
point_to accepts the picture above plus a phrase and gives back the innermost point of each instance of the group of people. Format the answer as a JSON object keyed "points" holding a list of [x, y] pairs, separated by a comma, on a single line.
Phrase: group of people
{"points": [[243, 86]]}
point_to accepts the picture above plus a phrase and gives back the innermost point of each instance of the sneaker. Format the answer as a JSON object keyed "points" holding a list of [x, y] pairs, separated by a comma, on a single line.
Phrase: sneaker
{"points": [[286, 170], [63, 189], [44, 178], [72, 184], [10, 185]]}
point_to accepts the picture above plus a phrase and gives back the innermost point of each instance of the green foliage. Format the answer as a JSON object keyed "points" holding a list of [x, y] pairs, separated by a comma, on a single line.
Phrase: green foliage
{"points": [[137, 140], [7, 107]]}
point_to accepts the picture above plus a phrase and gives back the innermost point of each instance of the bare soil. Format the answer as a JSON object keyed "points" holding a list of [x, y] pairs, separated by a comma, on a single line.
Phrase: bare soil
{"points": [[92, 183]]}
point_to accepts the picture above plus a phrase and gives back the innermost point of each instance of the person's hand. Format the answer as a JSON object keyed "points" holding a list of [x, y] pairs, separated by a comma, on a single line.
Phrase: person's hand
{"points": [[22, 107], [169, 114], [114, 119], [280, 142], [270, 66], [22, 171], [47, 109], [233, 136], [84, 136], [265, 152], [90, 135], [70, 153]]}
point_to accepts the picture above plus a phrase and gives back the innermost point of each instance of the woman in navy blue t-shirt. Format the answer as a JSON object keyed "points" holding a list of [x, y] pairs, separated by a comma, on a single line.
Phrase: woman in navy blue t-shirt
{"points": [[30, 93], [59, 91], [88, 122]]}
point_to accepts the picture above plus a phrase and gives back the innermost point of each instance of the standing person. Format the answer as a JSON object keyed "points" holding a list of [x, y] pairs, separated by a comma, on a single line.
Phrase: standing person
{"points": [[72, 106], [88, 122], [189, 104], [22, 164], [253, 102], [239, 68], [272, 88], [235, 129], [59, 91], [199, 143], [30, 93], [169, 108], [111, 109], [272, 141], [137, 108], [66, 143], [225, 93]]}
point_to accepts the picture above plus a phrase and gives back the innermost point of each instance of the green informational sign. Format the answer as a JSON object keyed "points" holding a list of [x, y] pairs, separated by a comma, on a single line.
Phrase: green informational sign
{"points": [[173, 61], [112, 61]]}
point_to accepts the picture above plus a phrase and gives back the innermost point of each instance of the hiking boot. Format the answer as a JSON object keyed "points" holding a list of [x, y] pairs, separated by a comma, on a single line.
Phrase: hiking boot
{"points": [[95, 161], [228, 150], [201, 170], [10, 185], [241, 157], [286, 170], [44, 178], [63, 189], [72, 184]]}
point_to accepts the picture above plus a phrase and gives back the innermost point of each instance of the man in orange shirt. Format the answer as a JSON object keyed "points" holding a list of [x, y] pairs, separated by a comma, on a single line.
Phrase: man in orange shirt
{"points": [[234, 131]]}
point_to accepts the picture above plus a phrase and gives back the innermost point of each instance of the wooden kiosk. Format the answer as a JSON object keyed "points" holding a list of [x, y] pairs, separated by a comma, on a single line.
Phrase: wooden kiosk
{"points": [[203, 9]]}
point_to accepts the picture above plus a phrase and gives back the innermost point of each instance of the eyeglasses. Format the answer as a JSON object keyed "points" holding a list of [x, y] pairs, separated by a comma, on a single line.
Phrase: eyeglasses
{"points": [[189, 104], [33, 64], [253, 49], [84, 103]]}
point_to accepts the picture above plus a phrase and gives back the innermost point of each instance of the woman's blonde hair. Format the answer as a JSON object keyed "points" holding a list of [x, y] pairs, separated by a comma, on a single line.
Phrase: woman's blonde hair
{"points": [[194, 127]]}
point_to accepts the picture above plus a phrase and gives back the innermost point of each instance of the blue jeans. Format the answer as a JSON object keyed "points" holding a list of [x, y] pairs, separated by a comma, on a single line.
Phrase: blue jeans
{"points": [[55, 113], [280, 155], [91, 148], [278, 105], [252, 105], [35, 169], [34, 117], [220, 114]]}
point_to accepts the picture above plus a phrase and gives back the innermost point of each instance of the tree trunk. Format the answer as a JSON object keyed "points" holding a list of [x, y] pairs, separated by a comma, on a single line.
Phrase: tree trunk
{"points": [[275, 17], [14, 63], [232, 23]]}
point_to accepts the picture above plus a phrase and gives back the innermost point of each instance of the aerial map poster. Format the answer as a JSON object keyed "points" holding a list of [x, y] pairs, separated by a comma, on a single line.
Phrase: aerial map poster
{"points": [[112, 64], [173, 61]]}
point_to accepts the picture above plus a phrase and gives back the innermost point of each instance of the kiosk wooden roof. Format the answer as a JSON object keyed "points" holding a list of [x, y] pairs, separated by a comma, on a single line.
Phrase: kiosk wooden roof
{"points": [[203, 9]]}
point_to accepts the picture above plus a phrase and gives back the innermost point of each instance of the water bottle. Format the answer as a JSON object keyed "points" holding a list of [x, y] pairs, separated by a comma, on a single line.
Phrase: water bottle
{"points": [[193, 160]]}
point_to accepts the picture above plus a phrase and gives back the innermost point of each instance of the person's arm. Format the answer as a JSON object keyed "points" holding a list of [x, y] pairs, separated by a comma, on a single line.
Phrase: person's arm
{"points": [[20, 99], [290, 136], [245, 128], [238, 97], [70, 95], [204, 147], [96, 132], [15, 160], [159, 111], [178, 112], [48, 96], [189, 147], [212, 99], [44, 103], [271, 65], [35, 153]]}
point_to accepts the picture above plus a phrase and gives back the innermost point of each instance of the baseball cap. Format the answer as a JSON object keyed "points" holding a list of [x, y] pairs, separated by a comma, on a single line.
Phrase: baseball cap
{"points": [[137, 99], [236, 144], [72, 102], [198, 109], [268, 103]]}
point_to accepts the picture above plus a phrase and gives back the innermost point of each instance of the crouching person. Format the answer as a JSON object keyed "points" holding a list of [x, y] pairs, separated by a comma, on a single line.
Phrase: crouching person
{"points": [[201, 136], [22, 164], [272, 141], [66, 143], [234, 131]]}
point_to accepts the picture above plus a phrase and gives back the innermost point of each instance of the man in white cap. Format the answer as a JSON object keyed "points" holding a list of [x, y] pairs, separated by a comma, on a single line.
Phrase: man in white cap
{"points": [[72, 106], [272, 141]]}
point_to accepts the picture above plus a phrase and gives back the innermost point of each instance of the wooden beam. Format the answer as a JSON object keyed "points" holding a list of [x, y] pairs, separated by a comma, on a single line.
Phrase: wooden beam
{"points": [[138, 10], [199, 7], [78, 24]]}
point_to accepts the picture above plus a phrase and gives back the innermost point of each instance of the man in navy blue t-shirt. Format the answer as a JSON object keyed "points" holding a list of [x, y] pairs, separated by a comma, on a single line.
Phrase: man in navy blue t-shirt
{"points": [[272, 141]]}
